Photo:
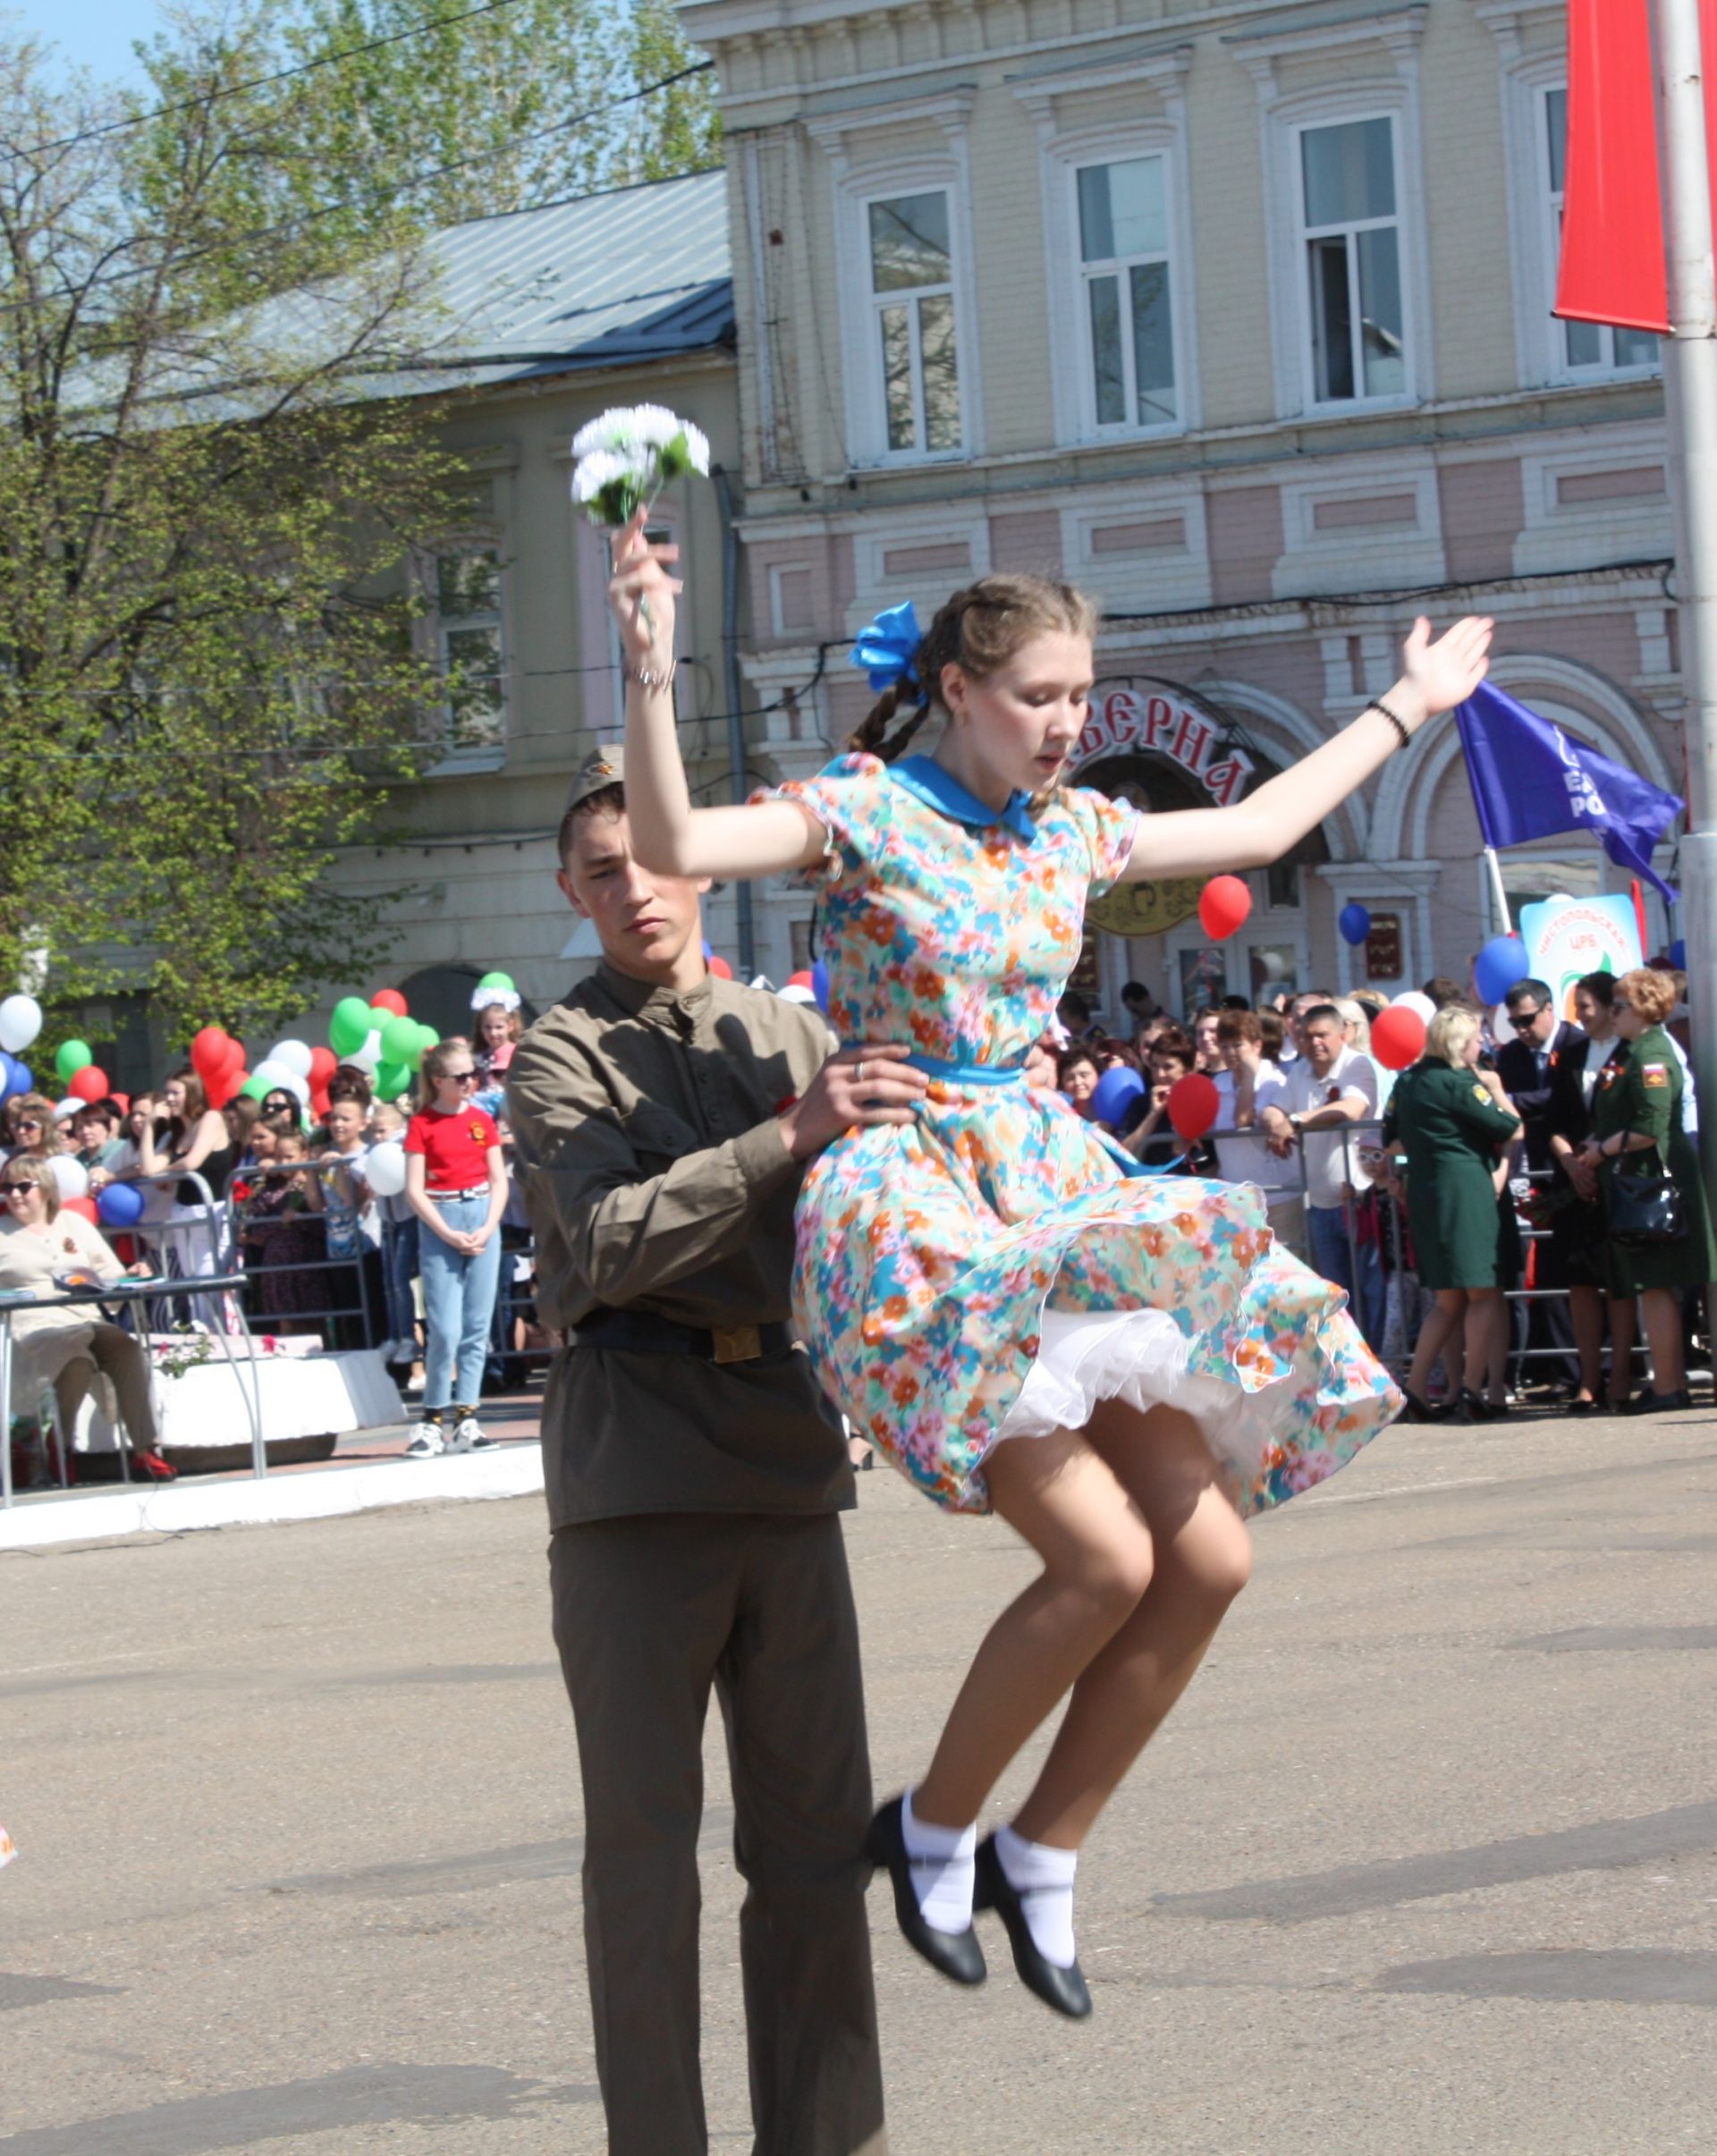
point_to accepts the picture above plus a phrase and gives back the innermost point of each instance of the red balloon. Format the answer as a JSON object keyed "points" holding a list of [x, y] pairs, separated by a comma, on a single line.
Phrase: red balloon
{"points": [[803, 978], [90, 1084], [719, 968], [1194, 1103], [225, 1085], [389, 999], [324, 1063], [124, 1100], [1397, 1037], [231, 1055], [208, 1050], [84, 1207], [1223, 905]]}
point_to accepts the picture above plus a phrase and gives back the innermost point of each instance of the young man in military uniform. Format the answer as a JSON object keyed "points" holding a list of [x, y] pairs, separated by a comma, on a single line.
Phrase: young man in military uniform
{"points": [[694, 1477]]}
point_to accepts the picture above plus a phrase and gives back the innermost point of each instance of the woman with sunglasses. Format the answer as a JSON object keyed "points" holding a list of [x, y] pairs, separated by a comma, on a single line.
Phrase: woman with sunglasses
{"points": [[39, 1245], [457, 1185], [35, 1132]]}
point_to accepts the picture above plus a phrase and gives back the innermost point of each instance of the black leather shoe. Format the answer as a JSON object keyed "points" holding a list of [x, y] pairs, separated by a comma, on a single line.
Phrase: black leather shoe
{"points": [[1064, 1989], [1658, 1403], [956, 1955]]}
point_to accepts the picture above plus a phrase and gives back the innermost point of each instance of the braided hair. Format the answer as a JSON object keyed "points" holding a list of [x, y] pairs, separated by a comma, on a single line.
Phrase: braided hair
{"points": [[978, 629]]}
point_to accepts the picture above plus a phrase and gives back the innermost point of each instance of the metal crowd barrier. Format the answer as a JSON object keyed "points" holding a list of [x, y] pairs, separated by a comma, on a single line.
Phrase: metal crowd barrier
{"points": [[349, 1273]]}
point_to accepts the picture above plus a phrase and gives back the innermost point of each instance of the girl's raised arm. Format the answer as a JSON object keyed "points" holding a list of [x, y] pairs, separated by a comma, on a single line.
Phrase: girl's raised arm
{"points": [[1260, 829], [669, 835]]}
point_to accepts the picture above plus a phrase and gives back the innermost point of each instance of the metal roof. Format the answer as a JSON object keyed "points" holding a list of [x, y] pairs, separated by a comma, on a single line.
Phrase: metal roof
{"points": [[608, 280]]}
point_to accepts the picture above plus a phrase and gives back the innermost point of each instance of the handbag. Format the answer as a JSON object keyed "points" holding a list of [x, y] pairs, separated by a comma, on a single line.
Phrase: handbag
{"points": [[1647, 1210]]}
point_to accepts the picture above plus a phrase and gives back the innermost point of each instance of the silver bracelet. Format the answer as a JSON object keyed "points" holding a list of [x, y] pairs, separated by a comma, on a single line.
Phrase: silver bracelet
{"points": [[647, 677]]}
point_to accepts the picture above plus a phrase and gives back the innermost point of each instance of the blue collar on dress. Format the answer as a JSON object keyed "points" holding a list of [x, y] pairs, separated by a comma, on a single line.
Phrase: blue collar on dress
{"points": [[939, 789]]}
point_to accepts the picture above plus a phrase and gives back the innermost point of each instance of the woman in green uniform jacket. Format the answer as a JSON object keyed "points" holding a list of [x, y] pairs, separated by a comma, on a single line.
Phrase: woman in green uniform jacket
{"points": [[1452, 1120], [1636, 1116]]}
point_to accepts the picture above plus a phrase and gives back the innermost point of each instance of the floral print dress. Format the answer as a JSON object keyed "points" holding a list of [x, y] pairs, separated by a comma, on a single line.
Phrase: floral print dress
{"points": [[992, 1270]]}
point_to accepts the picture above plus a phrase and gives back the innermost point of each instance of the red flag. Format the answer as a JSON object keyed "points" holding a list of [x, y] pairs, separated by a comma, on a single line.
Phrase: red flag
{"points": [[1612, 266]]}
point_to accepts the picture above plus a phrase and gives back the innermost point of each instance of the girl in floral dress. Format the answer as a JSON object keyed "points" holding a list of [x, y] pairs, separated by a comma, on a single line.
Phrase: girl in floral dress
{"points": [[1123, 1366]]}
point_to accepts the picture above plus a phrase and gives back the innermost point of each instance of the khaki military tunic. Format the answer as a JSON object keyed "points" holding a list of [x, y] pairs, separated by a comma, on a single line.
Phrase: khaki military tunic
{"points": [[656, 1180]]}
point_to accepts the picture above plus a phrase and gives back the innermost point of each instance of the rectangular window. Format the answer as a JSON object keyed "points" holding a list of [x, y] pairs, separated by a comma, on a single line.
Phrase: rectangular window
{"points": [[912, 292], [1586, 347], [468, 646], [1353, 265], [1128, 312]]}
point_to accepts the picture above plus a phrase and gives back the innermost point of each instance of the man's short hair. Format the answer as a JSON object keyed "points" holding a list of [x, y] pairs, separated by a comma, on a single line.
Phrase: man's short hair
{"points": [[1135, 992], [610, 800], [1319, 1011], [1076, 1004], [1441, 989], [1539, 991]]}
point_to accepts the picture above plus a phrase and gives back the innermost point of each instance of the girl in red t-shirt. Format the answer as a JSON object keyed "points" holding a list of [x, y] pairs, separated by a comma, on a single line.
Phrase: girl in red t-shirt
{"points": [[456, 1185]]}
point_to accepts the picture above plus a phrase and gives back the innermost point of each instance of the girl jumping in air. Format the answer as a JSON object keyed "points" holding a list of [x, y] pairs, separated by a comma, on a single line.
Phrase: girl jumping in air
{"points": [[1123, 1366]]}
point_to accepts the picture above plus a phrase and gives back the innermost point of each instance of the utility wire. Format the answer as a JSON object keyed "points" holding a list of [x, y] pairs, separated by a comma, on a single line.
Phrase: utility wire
{"points": [[237, 89], [330, 209]]}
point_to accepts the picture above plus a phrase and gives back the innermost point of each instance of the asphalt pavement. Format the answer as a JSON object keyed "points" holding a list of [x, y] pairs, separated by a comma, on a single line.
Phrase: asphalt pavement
{"points": [[1425, 1862]]}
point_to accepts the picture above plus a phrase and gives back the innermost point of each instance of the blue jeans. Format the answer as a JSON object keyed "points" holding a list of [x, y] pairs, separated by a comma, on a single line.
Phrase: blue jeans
{"points": [[458, 1298], [1358, 1270], [398, 1270]]}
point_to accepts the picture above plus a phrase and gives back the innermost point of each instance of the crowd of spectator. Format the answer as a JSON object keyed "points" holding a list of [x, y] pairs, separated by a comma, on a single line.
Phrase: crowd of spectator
{"points": [[329, 1219], [1521, 1151]]}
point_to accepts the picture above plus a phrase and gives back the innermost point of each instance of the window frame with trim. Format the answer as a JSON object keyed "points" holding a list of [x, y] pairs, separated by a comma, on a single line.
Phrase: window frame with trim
{"points": [[440, 625], [1563, 367], [859, 186], [1071, 277], [1352, 230]]}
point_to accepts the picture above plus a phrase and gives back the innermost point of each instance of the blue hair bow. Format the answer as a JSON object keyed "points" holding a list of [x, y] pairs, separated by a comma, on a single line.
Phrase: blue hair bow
{"points": [[887, 648]]}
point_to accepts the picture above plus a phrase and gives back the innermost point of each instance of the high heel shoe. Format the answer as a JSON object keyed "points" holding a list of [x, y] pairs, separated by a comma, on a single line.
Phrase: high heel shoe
{"points": [[1064, 1989], [1417, 1411], [956, 1955]]}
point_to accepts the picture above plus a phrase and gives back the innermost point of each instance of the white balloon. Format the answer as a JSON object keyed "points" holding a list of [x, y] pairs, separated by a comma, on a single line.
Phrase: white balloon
{"points": [[293, 1055], [367, 1059], [20, 1020], [272, 1073], [70, 1175], [1414, 1001], [65, 1109], [384, 1169]]}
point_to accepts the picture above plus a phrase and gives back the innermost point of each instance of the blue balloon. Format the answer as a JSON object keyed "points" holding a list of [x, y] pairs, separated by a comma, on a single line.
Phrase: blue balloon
{"points": [[820, 987], [1679, 954], [20, 1077], [119, 1205], [709, 950], [1353, 922], [9, 1071], [1117, 1091], [1499, 965]]}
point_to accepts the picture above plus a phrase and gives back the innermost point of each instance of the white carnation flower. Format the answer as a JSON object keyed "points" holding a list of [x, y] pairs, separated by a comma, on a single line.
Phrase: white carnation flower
{"points": [[611, 429], [600, 468], [696, 447], [653, 424]]}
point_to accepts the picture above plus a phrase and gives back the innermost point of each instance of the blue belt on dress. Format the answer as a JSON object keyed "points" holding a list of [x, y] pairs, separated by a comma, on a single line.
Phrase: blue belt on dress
{"points": [[1013, 1074]]}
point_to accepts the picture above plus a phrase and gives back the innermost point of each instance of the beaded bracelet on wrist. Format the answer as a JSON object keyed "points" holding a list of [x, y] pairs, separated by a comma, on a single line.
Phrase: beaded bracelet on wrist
{"points": [[1398, 723]]}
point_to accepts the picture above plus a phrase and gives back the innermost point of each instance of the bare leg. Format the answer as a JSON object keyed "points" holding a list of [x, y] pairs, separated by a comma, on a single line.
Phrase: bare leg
{"points": [[1435, 1336], [1661, 1309], [1068, 1505], [1204, 1558], [1586, 1311], [1622, 1335], [1481, 1333]]}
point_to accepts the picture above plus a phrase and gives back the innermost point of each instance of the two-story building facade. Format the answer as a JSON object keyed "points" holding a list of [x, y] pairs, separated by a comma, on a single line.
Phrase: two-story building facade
{"points": [[1238, 314]]}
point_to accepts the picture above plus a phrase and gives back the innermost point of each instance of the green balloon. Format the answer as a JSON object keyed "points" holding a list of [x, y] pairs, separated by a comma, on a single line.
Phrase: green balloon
{"points": [[391, 1081], [399, 1042], [497, 980], [74, 1056], [381, 1017], [427, 1038], [348, 1028], [255, 1088]]}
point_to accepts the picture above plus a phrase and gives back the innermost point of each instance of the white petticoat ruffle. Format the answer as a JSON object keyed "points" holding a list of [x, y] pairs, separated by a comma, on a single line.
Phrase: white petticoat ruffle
{"points": [[1139, 1357]]}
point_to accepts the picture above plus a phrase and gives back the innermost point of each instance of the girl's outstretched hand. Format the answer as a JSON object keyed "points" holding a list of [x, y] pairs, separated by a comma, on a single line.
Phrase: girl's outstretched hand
{"points": [[1445, 674], [641, 593]]}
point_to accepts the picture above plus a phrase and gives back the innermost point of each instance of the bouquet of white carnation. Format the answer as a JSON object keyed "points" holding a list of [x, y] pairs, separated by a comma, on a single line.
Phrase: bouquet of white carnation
{"points": [[627, 456]]}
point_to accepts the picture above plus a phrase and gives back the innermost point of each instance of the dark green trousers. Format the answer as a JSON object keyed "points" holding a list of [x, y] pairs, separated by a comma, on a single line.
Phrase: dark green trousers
{"points": [[650, 1614]]}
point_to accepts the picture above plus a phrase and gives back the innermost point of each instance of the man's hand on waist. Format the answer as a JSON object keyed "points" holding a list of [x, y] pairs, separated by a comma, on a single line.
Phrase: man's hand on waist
{"points": [[860, 1087]]}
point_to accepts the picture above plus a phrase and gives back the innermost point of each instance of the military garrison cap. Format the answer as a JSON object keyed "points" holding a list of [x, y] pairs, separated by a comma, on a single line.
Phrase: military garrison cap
{"points": [[602, 768]]}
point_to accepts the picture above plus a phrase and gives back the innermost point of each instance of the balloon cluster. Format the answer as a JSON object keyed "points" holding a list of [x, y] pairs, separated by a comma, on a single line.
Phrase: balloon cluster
{"points": [[20, 1020], [382, 1039]]}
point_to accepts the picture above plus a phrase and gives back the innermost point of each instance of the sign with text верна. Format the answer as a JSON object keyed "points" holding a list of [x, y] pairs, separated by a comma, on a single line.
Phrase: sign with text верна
{"points": [[1567, 938]]}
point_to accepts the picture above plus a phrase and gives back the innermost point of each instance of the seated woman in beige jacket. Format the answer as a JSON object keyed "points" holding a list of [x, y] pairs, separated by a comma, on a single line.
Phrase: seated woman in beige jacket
{"points": [[39, 1245]]}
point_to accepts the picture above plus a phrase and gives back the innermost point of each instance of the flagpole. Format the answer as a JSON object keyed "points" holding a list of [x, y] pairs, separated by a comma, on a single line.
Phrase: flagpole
{"points": [[1690, 397], [1502, 896]]}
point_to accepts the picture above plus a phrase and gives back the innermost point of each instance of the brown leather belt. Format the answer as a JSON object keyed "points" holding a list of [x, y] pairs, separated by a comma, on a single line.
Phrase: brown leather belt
{"points": [[640, 1332]]}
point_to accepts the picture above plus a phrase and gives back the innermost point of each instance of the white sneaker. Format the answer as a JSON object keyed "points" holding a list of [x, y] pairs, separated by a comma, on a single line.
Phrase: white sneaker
{"points": [[427, 1442], [468, 1436]]}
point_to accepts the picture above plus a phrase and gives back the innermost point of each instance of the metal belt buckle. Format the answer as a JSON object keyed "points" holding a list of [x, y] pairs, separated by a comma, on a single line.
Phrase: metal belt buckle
{"points": [[737, 1343]]}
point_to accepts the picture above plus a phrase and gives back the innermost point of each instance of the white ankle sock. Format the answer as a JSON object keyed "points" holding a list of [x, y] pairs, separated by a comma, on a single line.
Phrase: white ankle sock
{"points": [[944, 1872], [1043, 1878]]}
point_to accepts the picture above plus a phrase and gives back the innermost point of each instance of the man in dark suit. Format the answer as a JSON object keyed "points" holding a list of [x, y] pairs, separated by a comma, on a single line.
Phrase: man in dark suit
{"points": [[1526, 1066], [1526, 1063]]}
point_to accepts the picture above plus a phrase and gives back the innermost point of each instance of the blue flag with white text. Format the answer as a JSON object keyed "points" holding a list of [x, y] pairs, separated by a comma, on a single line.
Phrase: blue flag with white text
{"points": [[1530, 779]]}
